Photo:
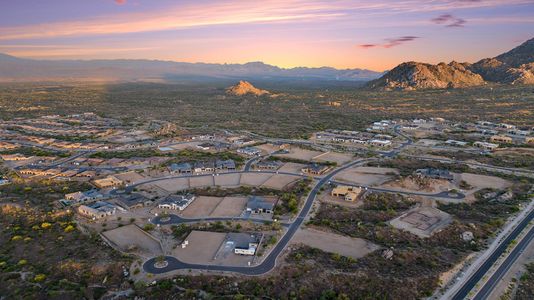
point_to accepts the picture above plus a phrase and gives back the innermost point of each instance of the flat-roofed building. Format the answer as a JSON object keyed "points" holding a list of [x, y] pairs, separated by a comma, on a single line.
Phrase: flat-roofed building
{"points": [[501, 139], [97, 210], [108, 182], [349, 193]]}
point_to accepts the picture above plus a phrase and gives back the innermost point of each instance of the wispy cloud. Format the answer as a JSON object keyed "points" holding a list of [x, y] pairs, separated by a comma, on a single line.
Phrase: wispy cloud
{"points": [[449, 20], [391, 42], [233, 12]]}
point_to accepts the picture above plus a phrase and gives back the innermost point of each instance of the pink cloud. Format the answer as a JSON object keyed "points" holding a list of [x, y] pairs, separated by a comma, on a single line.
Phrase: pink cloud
{"points": [[391, 42], [449, 20], [120, 2]]}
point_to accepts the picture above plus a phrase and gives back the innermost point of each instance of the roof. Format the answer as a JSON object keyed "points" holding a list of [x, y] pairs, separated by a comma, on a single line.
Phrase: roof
{"points": [[179, 200], [255, 202], [243, 240], [180, 166], [132, 199]]}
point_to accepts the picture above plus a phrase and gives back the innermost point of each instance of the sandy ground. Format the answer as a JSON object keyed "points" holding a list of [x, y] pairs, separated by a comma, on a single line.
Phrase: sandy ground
{"points": [[254, 179], [479, 182], [203, 206], [339, 158], [299, 153], [201, 181], [130, 177], [173, 185], [228, 179], [203, 246], [291, 168], [367, 176], [230, 207], [408, 184], [131, 238], [279, 181], [422, 221], [334, 243]]}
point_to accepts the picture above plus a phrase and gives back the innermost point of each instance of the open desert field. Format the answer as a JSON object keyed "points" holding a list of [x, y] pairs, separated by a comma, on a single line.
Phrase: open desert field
{"points": [[279, 181], [299, 153], [267, 148], [367, 176], [183, 146], [203, 206], [173, 185], [479, 182], [252, 179], [201, 181], [203, 245], [229, 180], [229, 207], [339, 158], [133, 239], [334, 243]]}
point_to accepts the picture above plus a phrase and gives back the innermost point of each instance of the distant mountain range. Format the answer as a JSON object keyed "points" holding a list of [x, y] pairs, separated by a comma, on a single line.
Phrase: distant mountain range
{"points": [[513, 67], [19, 69]]}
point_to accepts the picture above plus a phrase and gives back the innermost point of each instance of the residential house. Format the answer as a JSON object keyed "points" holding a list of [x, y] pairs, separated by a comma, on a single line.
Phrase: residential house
{"points": [[486, 146], [268, 165], [205, 146], [259, 205], [181, 168], [97, 210], [203, 167], [133, 201], [379, 143], [108, 182], [244, 243], [84, 196], [456, 143], [501, 139], [249, 151], [349, 193], [176, 202], [315, 169], [228, 164]]}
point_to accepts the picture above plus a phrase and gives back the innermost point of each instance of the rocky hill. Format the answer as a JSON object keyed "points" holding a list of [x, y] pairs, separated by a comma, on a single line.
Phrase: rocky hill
{"points": [[245, 88], [513, 67], [414, 75]]}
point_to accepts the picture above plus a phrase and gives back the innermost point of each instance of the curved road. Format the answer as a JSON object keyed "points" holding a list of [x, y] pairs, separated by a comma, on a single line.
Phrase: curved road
{"points": [[174, 219], [270, 261]]}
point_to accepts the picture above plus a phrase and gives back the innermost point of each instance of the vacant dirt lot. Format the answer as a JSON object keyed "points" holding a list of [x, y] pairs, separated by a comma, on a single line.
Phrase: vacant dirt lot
{"points": [[292, 168], [339, 158], [203, 245], [130, 177], [268, 148], [299, 153], [133, 239], [228, 180], [203, 206], [410, 184], [367, 176], [200, 181], [254, 179], [173, 185], [190, 145], [479, 182], [230, 207], [334, 243], [279, 181]]}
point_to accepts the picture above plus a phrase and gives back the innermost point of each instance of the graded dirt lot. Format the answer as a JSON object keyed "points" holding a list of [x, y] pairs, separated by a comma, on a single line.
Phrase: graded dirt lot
{"points": [[268, 148], [203, 245], [479, 182], [278, 181], [367, 176], [409, 184], [422, 221], [334, 243], [130, 177], [291, 168], [203, 206], [230, 180], [252, 179], [339, 158], [173, 185], [190, 145], [133, 239], [299, 153], [201, 181], [230, 207]]}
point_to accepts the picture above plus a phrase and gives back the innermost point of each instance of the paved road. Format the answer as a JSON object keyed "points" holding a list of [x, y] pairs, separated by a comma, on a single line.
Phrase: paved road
{"points": [[270, 261], [505, 266], [174, 219], [463, 292]]}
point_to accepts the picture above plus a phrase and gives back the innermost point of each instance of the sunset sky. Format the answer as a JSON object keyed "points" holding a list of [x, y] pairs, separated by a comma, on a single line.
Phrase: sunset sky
{"points": [[372, 34]]}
